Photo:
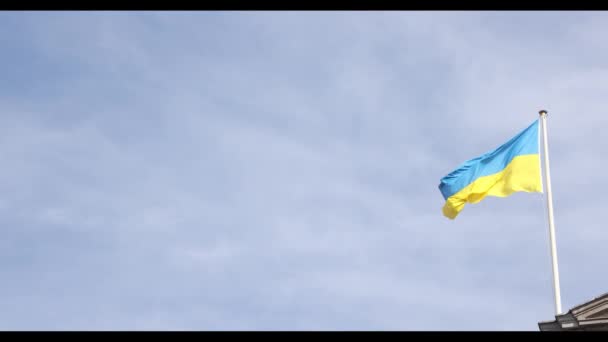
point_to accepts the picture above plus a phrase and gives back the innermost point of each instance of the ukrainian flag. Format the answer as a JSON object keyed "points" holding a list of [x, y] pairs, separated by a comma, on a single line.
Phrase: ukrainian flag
{"points": [[514, 166]]}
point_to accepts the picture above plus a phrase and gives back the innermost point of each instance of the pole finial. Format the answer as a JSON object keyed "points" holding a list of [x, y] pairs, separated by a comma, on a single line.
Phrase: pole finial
{"points": [[542, 111]]}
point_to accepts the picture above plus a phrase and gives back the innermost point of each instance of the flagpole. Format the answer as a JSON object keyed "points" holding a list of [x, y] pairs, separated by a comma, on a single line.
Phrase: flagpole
{"points": [[556, 290]]}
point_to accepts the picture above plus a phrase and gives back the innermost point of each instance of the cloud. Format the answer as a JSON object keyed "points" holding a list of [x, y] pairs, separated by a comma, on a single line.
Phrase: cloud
{"points": [[211, 171]]}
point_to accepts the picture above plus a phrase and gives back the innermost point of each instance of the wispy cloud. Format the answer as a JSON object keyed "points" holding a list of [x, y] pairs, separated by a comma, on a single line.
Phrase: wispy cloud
{"points": [[279, 170]]}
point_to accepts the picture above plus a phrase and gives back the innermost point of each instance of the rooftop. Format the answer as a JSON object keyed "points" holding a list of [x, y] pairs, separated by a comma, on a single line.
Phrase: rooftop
{"points": [[591, 315]]}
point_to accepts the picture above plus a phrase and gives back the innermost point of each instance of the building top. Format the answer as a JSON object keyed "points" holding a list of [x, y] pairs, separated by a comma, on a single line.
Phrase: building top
{"points": [[591, 315]]}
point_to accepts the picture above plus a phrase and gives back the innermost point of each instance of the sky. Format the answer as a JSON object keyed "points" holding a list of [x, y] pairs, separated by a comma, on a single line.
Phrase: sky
{"points": [[280, 170]]}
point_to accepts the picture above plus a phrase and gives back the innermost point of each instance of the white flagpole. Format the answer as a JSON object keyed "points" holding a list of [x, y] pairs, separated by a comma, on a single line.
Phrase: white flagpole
{"points": [[556, 291]]}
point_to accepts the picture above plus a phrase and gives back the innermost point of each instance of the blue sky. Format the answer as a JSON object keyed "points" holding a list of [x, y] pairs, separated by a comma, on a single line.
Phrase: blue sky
{"points": [[279, 170]]}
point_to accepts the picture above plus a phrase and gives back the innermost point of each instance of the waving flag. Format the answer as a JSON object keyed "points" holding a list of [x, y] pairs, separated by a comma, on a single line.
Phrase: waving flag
{"points": [[514, 166]]}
